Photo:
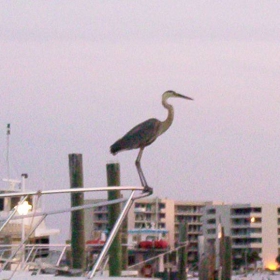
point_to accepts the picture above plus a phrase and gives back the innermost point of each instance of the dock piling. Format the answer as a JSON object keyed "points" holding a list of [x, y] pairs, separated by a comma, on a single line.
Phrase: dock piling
{"points": [[115, 251], [77, 217]]}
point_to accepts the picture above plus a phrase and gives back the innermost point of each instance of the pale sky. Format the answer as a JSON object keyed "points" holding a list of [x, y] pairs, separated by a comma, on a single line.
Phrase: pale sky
{"points": [[77, 75]]}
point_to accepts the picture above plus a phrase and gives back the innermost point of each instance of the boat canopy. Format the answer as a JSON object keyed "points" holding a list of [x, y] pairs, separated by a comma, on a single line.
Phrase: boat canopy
{"points": [[147, 231]]}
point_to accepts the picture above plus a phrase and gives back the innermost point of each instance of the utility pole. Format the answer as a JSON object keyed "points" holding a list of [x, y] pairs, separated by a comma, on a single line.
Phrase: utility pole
{"points": [[115, 251], [77, 217], [124, 229], [8, 151]]}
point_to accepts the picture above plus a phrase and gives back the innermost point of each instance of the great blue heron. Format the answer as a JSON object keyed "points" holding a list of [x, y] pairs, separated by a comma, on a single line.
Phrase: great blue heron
{"points": [[145, 134]]}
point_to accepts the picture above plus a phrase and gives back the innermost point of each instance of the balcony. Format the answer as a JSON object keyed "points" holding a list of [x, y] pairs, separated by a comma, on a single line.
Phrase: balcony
{"points": [[193, 240], [188, 213], [241, 235], [210, 226], [141, 220], [102, 209], [140, 210], [189, 222], [193, 249], [241, 246], [100, 221], [247, 211], [211, 211], [241, 226], [250, 222], [247, 242], [188, 210]]}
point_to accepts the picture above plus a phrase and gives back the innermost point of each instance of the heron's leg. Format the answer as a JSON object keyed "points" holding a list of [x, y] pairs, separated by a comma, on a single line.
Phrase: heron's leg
{"points": [[139, 169], [140, 172]]}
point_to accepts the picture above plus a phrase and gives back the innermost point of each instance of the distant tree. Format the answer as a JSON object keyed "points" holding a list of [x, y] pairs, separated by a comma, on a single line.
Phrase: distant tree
{"points": [[252, 257], [237, 262], [278, 259]]}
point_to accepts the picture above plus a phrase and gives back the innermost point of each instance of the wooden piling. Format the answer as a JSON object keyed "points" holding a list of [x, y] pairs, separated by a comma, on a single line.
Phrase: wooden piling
{"points": [[227, 259], [182, 252], [115, 251], [203, 268], [225, 256], [221, 257], [211, 261], [77, 217]]}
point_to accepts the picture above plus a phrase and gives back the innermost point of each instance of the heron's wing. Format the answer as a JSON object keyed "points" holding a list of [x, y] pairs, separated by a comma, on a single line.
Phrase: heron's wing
{"points": [[144, 133], [140, 136]]}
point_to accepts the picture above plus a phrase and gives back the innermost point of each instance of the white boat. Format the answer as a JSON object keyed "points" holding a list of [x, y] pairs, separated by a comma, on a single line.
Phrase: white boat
{"points": [[37, 261], [12, 207]]}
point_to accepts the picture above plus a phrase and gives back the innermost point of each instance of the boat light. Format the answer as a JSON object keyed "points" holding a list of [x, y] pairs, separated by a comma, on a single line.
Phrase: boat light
{"points": [[24, 208]]}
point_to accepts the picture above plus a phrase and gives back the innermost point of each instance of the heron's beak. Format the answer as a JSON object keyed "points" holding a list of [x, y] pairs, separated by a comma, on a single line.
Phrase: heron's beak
{"points": [[183, 96]]}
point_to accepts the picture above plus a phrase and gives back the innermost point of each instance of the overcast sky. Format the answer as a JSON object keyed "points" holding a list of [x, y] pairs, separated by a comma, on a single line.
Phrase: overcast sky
{"points": [[76, 75]]}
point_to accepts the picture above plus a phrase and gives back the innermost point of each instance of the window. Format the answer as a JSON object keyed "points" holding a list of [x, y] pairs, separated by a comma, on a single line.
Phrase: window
{"points": [[131, 260], [211, 211], [255, 240], [161, 215], [236, 232], [161, 206], [241, 221], [211, 231], [257, 220], [161, 225], [14, 202], [211, 222], [256, 210], [148, 217], [241, 211], [255, 230]]}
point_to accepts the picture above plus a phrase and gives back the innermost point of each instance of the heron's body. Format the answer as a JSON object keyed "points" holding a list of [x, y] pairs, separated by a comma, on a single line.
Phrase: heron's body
{"points": [[146, 133], [140, 136]]}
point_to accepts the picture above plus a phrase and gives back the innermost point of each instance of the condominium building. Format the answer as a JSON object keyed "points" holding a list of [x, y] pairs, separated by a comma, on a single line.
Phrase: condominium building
{"points": [[159, 214], [252, 227], [96, 220], [189, 213]]}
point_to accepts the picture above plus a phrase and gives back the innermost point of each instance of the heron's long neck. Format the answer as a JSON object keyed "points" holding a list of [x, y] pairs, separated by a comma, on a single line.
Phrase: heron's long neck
{"points": [[167, 123]]}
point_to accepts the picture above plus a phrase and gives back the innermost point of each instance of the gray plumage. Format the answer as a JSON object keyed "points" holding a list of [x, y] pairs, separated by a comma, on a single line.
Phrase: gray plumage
{"points": [[140, 136]]}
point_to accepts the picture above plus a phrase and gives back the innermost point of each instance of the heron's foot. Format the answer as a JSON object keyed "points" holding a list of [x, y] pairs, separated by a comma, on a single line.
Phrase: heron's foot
{"points": [[148, 189]]}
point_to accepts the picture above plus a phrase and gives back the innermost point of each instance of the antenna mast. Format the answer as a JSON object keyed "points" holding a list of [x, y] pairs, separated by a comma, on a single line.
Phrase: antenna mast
{"points": [[8, 150]]}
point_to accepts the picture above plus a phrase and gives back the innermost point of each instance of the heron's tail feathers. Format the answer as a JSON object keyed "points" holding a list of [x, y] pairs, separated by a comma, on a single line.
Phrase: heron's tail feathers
{"points": [[115, 148], [124, 144]]}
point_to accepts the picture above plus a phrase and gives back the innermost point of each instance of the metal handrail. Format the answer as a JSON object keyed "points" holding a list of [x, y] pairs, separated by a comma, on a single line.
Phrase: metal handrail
{"points": [[73, 190], [43, 215]]}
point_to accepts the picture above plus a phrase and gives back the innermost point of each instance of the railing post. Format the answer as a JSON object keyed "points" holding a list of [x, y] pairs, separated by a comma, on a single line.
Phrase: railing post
{"points": [[112, 234]]}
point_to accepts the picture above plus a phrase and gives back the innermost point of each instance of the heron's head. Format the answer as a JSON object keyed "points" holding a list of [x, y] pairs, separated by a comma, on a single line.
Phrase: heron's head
{"points": [[171, 93]]}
